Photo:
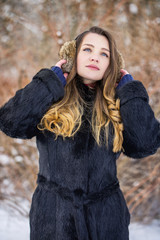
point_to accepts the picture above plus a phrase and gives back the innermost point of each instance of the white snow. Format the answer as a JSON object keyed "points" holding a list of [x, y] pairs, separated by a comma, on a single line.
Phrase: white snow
{"points": [[157, 20], [133, 8], [5, 39], [18, 158], [145, 232], [122, 18], [59, 33], [14, 226], [4, 159]]}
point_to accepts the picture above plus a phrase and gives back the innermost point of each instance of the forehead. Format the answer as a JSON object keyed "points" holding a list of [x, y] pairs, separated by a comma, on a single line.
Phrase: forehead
{"points": [[96, 40]]}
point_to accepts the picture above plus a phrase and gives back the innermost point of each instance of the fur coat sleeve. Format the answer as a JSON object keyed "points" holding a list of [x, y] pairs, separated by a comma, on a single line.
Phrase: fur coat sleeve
{"points": [[141, 128], [21, 114]]}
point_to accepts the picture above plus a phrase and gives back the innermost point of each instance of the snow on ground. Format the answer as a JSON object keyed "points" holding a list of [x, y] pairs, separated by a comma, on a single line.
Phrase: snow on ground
{"points": [[15, 227], [145, 232], [12, 226]]}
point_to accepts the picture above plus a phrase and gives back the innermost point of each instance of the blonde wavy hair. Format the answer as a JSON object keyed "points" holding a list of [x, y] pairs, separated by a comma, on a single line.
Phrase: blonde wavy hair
{"points": [[64, 118]]}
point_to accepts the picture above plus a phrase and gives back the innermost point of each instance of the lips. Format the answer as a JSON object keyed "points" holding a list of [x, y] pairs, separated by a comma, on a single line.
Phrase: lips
{"points": [[93, 67]]}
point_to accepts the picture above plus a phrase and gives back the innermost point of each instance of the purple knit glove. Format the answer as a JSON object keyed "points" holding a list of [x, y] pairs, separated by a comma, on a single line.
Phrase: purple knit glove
{"points": [[58, 71], [126, 78]]}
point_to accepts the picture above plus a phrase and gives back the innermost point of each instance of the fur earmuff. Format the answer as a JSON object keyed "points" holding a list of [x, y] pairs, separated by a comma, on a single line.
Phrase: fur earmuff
{"points": [[67, 52], [121, 65]]}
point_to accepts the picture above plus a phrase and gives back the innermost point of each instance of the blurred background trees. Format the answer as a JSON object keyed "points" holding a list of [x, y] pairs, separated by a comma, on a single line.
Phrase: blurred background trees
{"points": [[30, 36]]}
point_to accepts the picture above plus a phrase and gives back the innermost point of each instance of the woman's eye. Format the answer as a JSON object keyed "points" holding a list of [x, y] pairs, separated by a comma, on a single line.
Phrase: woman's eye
{"points": [[87, 50], [105, 54]]}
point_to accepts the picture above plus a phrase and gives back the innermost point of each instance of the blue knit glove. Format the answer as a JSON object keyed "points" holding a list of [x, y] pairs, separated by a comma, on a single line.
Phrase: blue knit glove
{"points": [[126, 78], [58, 71]]}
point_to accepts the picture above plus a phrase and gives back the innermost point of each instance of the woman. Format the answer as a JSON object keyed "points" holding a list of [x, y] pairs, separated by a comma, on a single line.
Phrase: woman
{"points": [[81, 130]]}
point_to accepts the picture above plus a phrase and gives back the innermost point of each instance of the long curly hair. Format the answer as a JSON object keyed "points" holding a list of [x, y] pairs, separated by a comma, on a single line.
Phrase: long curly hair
{"points": [[64, 118]]}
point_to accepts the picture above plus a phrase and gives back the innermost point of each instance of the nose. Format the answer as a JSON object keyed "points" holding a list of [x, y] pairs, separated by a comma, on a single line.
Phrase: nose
{"points": [[94, 59]]}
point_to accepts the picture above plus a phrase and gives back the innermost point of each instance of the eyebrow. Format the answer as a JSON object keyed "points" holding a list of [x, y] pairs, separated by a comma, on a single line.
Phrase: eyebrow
{"points": [[88, 44]]}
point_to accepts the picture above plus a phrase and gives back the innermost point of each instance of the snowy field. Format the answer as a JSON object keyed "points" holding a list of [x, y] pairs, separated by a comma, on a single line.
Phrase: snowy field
{"points": [[14, 227]]}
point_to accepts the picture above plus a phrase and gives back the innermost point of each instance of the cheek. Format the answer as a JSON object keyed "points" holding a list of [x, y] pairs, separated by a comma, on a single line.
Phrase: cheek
{"points": [[106, 65]]}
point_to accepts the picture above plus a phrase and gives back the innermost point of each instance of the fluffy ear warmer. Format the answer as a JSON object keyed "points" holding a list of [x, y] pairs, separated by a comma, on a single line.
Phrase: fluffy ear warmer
{"points": [[121, 65], [68, 51]]}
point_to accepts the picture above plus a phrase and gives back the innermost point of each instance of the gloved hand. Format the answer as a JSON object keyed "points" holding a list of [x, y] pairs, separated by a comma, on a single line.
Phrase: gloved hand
{"points": [[58, 71], [126, 77]]}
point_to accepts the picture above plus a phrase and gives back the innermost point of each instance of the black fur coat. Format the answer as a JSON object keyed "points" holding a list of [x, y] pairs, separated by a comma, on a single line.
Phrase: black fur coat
{"points": [[73, 199]]}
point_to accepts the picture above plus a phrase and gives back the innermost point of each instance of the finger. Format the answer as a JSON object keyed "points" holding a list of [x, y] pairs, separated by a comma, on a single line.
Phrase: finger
{"points": [[59, 64], [124, 72], [66, 75]]}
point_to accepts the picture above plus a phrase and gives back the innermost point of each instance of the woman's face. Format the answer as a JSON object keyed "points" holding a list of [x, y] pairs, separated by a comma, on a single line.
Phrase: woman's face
{"points": [[93, 58]]}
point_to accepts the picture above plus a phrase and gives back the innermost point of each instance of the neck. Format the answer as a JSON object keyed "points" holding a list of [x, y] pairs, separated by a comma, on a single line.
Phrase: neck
{"points": [[91, 85]]}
